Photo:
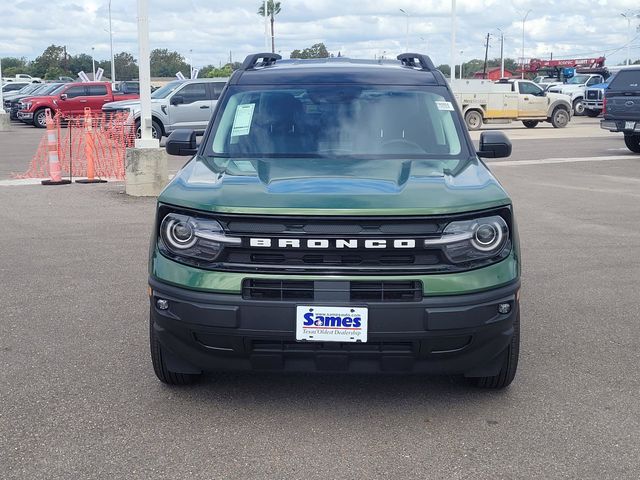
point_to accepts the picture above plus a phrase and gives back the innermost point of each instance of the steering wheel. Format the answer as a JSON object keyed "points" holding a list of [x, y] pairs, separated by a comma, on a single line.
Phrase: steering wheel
{"points": [[412, 147]]}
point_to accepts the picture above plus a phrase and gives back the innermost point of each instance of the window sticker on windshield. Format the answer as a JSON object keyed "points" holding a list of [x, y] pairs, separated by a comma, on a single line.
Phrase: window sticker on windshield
{"points": [[446, 106], [242, 120]]}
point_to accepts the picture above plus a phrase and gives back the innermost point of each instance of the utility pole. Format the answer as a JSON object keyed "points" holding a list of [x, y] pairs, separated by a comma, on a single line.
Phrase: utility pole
{"points": [[486, 57]]}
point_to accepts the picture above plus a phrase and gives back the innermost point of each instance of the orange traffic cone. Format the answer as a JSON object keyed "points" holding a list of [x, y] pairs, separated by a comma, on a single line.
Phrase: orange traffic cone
{"points": [[89, 150], [55, 171]]}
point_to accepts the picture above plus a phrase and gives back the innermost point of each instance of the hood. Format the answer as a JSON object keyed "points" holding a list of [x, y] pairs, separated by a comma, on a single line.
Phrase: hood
{"points": [[599, 86], [336, 186], [128, 104]]}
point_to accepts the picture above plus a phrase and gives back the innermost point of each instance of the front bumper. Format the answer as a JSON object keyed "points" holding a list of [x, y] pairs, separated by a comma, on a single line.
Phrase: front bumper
{"points": [[626, 126], [455, 334], [593, 104], [25, 116]]}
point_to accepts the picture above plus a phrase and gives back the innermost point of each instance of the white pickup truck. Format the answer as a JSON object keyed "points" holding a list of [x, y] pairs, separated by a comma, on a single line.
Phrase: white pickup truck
{"points": [[483, 101], [575, 87], [22, 77]]}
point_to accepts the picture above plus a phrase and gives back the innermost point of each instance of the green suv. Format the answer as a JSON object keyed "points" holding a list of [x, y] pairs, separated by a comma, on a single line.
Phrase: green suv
{"points": [[336, 217]]}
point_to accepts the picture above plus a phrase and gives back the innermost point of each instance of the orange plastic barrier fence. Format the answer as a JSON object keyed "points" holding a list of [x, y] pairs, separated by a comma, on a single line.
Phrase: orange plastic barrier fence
{"points": [[92, 145]]}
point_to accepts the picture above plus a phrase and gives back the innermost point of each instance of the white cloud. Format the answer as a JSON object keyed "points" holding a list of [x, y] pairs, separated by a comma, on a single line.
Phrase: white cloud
{"points": [[213, 28]]}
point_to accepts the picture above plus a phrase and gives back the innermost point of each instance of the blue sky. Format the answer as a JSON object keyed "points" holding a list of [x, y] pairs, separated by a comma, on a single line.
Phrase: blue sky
{"points": [[207, 30]]}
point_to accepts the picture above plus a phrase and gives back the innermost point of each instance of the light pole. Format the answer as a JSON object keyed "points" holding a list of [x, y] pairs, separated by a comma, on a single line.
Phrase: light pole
{"points": [[191, 63], [452, 64], [524, 19], [426, 45], [1, 94], [461, 52], [113, 63], [406, 35], [629, 16], [93, 62], [146, 139]]}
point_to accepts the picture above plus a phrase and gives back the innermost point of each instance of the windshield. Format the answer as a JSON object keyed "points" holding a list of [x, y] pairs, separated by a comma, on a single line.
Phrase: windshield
{"points": [[165, 91], [320, 121], [578, 80], [50, 88]]}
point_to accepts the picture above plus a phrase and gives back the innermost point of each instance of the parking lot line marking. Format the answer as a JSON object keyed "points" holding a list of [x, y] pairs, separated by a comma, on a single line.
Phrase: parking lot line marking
{"points": [[511, 163], [20, 182]]}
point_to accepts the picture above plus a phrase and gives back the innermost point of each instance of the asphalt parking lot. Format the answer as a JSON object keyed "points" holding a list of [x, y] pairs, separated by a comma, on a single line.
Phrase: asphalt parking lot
{"points": [[79, 398]]}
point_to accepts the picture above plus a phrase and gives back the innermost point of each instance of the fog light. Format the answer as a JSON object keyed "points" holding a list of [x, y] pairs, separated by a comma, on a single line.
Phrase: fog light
{"points": [[162, 304], [504, 308]]}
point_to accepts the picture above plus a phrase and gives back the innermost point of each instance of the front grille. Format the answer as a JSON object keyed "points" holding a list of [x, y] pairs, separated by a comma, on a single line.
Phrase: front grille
{"points": [[277, 290], [338, 245], [302, 290], [375, 348], [594, 94]]}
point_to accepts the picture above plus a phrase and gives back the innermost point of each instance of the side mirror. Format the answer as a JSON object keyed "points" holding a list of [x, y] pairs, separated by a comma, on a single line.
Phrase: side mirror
{"points": [[494, 145], [63, 96], [177, 100], [182, 142]]}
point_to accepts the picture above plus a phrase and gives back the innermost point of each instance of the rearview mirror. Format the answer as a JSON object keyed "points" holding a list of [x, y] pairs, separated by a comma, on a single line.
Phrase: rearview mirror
{"points": [[177, 100], [494, 145], [182, 142], [63, 96]]}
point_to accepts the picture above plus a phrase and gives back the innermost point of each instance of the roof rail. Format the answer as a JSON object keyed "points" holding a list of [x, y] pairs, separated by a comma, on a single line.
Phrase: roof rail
{"points": [[252, 60], [409, 60]]}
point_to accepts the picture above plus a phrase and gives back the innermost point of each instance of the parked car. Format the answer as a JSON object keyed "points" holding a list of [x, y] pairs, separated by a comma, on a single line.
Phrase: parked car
{"points": [[22, 77], [71, 100], [508, 100], [622, 107], [46, 89], [128, 86], [30, 89], [575, 88], [13, 87], [179, 104], [336, 217]]}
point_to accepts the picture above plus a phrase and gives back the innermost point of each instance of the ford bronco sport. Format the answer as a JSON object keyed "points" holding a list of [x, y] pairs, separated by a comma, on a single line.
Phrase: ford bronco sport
{"points": [[335, 217]]}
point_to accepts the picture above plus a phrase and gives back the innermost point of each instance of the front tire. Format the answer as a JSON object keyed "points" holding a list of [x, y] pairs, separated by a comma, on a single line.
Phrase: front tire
{"points": [[156, 129], [40, 118], [560, 118], [160, 367], [530, 123], [509, 364], [473, 119], [632, 142], [578, 106]]}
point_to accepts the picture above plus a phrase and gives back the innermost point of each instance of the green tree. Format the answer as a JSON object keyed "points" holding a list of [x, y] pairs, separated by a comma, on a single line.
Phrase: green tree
{"points": [[317, 50], [81, 62], [11, 66], [445, 69], [273, 9], [165, 63], [211, 71], [52, 61], [126, 66]]}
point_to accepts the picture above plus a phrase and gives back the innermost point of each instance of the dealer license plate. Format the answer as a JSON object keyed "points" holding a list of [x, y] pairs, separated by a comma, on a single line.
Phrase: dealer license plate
{"points": [[629, 125], [331, 324]]}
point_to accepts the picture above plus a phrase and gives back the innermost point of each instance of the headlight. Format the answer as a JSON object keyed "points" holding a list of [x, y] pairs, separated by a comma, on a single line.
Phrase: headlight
{"points": [[192, 238], [476, 239], [26, 106]]}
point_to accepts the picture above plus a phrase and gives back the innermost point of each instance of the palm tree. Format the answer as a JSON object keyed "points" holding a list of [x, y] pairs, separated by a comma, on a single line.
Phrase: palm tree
{"points": [[273, 9]]}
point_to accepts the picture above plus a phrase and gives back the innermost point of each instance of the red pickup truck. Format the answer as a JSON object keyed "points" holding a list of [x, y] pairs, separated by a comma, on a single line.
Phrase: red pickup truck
{"points": [[71, 100]]}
